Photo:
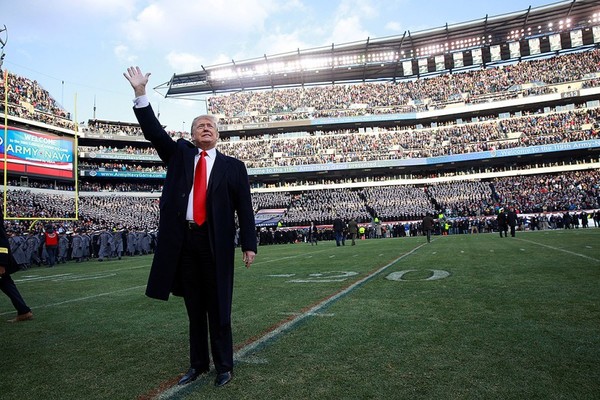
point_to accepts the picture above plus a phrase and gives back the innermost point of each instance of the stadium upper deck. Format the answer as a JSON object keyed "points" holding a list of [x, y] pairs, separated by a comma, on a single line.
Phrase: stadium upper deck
{"points": [[531, 32]]}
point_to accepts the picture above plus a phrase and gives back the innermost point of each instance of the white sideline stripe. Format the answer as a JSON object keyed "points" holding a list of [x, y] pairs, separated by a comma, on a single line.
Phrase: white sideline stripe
{"points": [[559, 249], [244, 351], [34, 278], [316, 315], [30, 278], [80, 299]]}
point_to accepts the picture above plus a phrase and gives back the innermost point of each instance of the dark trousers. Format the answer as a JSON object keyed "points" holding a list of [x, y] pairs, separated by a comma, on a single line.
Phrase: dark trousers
{"points": [[339, 238], [52, 253], [353, 236], [503, 228], [7, 285], [199, 282]]}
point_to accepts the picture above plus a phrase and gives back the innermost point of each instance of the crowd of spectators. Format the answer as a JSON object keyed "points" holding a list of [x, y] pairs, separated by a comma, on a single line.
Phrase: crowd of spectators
{"points": [[324, 205], [567, 191], [398, 202], [94, 212], [401, 143], [88, 186], [28, 99], [131, 150], [485, 134], [116, 186], [121, 167], [342, 100], [263, 200], [132, 212]]}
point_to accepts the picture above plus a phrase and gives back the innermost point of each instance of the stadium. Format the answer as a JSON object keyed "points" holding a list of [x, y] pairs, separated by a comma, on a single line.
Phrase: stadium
{"points": [[460, 122]]}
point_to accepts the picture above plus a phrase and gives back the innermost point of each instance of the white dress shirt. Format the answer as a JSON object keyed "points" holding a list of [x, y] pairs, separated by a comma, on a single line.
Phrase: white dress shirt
{"points": [[210, 161], [142, 101]]}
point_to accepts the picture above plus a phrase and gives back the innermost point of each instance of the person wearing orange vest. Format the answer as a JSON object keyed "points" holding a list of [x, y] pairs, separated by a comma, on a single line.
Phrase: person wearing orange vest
{"points": [[51, 243]]}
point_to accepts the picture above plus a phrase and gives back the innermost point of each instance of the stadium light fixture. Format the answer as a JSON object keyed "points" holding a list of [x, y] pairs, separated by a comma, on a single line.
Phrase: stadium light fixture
{"points": [[305, 64]]}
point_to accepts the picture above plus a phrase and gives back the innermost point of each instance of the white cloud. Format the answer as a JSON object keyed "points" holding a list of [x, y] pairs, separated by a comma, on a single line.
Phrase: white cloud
{"points": [[108, 7], [279, 43], [394, 27], [362, 8], [350, 20], [122, 52], [348, 29], [183, 62], [180, 24], [146, 26]]}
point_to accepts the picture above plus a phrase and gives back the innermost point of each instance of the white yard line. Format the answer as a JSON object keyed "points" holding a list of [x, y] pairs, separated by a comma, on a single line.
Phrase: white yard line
{"points": [[279, 330], [79, 299], [559, 249], [29, 275]]}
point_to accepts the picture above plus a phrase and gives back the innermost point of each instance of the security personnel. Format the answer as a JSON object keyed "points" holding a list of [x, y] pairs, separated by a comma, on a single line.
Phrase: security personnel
{"points": [[361, 232]]}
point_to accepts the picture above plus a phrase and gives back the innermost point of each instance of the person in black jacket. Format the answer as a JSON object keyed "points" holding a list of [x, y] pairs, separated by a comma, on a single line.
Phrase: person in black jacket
{"points": [[203, 192], [338, 229], [502, 223], [511, 218], [427, 226], [8, 266]]}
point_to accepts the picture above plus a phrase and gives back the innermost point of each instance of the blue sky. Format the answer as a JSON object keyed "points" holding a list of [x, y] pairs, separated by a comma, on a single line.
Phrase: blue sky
{"points": [[78, 49]]}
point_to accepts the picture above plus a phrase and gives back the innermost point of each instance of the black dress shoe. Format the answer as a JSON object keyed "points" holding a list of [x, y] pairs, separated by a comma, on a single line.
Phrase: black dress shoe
{"points": [[223, 378], [191, 376]]}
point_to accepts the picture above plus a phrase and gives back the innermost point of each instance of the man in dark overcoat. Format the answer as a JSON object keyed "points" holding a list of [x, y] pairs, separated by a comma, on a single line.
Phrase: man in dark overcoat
{"points": [[195, 255], [511, 219], [502, 222]]}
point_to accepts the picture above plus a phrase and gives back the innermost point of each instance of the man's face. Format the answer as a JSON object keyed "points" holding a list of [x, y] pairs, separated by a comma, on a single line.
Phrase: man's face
{"points": [[205, 134]]}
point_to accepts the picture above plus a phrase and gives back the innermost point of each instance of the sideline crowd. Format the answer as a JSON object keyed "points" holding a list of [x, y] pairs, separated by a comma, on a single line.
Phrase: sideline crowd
{"points": [[567, 191], [546, 200]]}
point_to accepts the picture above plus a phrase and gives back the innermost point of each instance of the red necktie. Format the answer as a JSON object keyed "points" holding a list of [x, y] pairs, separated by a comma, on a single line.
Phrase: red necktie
{"points": [[200, 190]]}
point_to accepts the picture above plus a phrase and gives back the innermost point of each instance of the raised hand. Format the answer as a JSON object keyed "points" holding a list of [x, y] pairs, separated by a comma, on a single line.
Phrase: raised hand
{"points": [[137, 79]]}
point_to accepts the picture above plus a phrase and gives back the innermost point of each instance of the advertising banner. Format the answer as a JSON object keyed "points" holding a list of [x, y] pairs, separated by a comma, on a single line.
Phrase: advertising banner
{"points": [[37, 153]]}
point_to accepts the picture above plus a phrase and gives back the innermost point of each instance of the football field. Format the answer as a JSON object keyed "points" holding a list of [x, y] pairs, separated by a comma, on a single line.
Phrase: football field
{"points": [[464, 317]]}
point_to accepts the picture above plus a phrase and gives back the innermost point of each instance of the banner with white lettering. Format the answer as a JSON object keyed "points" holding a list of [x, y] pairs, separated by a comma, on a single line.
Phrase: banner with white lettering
{"points": [[37, 153]]}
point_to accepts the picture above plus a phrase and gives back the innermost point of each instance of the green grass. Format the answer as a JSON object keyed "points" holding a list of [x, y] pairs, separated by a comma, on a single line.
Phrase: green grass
{"points": [[517, 318]]}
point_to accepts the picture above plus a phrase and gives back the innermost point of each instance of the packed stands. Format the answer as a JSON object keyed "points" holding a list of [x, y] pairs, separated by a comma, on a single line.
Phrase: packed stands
{"points": [[523, 134]]}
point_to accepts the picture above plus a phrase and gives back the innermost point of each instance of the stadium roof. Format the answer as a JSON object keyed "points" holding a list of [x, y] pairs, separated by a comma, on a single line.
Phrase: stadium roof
{"points": [[412, 54]]}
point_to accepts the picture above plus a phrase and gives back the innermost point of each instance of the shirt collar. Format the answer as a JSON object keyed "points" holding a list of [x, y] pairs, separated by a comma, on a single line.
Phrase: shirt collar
{"points": [[212, 153]]}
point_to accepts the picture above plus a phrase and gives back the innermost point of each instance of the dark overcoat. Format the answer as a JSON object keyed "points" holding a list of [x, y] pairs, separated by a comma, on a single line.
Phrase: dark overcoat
{"points": [[6, 258], [228, 193]]}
